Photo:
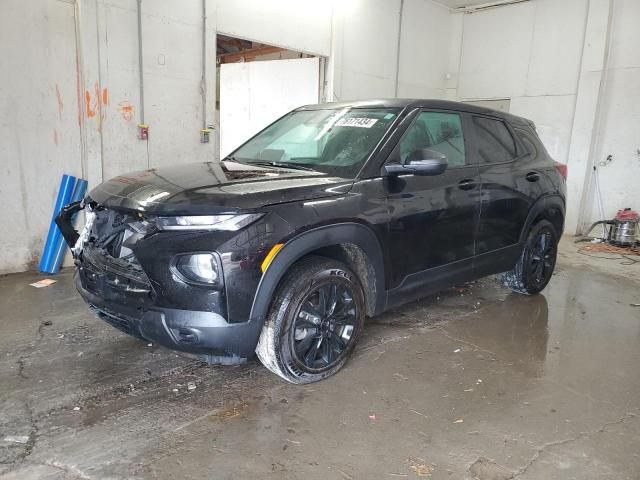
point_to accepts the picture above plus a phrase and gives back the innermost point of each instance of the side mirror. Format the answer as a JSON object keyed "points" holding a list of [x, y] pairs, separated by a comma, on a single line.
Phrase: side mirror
{"points": [[423, 162]]}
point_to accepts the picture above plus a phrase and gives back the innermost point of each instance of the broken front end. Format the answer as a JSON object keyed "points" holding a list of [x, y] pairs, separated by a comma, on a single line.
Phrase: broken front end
{"points": [[166, 285]]}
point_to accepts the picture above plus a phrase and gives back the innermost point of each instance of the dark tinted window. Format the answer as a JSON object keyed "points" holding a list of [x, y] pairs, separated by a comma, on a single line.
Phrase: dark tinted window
{"points": [[527, 142], [437, 131], [495, 143]]}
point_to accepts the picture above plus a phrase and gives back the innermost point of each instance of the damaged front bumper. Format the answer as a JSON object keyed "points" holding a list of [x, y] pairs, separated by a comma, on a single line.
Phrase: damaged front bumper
{"points": [[131, 286]]}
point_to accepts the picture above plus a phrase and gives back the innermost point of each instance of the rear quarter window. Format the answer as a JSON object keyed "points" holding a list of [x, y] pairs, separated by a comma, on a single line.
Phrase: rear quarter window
{"points": [[527, 142], [494, 141]]}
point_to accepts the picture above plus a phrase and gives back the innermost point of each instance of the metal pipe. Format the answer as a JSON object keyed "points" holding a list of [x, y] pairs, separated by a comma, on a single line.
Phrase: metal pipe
{"points": [[79, 90], [398, 49], [140, 61], [599, 199], [586, 198], [204, 64]]}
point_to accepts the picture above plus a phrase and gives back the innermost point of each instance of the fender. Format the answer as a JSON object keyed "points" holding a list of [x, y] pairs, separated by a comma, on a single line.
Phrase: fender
{"points": [[342, 233], [540, 205]]}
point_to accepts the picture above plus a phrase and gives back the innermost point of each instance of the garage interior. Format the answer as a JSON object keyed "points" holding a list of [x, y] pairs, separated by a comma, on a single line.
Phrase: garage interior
{"points": [[475, 382]]}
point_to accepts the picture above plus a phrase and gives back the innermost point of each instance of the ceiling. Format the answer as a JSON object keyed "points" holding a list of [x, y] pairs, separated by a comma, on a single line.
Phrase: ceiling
{"points": [[469, 3]]}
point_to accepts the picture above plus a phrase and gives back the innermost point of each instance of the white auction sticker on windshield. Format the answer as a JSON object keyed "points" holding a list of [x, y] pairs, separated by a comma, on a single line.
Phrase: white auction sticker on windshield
{"points": [[356, 122]]}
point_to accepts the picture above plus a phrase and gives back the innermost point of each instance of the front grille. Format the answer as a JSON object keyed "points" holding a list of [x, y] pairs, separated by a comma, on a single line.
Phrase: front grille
{"points": [[117, 273]]}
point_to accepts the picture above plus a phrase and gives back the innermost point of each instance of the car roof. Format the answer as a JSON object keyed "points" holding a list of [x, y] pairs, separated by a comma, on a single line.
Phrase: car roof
{"points": [[411, 103]]}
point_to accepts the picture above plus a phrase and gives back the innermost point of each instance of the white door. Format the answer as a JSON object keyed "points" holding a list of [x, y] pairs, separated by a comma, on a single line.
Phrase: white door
{"points": [[254, 94]]}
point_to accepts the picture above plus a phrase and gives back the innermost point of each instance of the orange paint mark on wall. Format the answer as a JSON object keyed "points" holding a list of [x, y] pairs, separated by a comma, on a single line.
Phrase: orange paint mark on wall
{"points": [[60, 104], [95, 103], [91, 112], [55, 136], [127, 111]]}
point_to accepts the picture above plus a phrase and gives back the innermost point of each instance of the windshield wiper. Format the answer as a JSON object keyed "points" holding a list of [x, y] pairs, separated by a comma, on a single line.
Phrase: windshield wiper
{"points": [[292, 166]]}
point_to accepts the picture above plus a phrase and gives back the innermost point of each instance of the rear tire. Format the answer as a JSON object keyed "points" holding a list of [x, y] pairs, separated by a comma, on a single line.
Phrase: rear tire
{"points": [[315, 320], [537, 261]]}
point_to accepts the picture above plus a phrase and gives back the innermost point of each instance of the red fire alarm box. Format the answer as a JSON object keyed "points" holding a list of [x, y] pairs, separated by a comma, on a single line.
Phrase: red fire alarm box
{"points": [[143, 131]]}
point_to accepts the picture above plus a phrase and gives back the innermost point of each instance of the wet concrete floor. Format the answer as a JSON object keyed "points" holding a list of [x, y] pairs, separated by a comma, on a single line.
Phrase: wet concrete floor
{"points": [[475, 382]]}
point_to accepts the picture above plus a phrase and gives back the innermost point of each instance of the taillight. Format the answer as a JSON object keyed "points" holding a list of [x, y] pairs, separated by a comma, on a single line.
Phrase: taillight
{"points": [[562, 168]]}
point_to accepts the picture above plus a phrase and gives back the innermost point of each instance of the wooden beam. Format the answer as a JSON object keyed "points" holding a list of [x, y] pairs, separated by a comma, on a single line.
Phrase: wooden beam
{"points": [[248, 55]]}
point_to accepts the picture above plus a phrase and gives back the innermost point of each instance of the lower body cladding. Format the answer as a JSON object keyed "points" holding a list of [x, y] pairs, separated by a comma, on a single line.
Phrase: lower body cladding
{"points": [[206, 335]]}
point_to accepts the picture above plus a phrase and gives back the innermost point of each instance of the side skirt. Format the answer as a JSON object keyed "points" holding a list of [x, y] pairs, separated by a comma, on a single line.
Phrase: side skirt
{"points": [[427, 282]]}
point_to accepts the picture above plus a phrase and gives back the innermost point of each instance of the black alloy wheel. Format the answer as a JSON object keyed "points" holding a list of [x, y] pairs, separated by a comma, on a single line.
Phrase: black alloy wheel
{"points": [[324, 326], [537, 261], [315, 320]]}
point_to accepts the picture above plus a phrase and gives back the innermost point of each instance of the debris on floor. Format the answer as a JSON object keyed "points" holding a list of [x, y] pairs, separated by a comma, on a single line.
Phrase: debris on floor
{"points": [[16, 438], [43, 283], [420, 467], [191, 386], [485, 469]]}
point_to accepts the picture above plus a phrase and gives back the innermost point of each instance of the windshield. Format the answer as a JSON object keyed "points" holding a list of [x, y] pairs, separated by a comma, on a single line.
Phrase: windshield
{"points": [[333, 141]]}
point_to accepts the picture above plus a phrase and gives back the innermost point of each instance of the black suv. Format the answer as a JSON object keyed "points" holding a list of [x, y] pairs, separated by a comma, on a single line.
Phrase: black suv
{"points": [[332, 213]]}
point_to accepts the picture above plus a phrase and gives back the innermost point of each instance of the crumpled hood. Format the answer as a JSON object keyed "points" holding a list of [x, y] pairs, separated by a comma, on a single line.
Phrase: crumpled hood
{"points": [[212, 187]]}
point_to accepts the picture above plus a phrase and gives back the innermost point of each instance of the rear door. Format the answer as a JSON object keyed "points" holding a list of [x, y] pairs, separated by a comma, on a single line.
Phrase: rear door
{"points": [[432, 218], [509, 186]]}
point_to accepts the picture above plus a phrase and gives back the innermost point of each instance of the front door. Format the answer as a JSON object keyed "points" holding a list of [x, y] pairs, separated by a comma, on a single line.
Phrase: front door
{"points": [[433, 219]]}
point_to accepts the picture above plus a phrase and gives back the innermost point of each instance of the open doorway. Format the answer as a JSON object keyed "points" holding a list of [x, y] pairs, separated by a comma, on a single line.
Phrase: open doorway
{"points": [[257, 84]]}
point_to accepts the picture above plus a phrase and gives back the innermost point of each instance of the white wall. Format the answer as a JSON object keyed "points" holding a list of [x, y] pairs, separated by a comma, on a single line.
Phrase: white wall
{"points": [[366, 48], [619, 128], [304, 26], [70, 103], [546, 56], [528, 52], [39, 136], [87, 53], [255, 94], [424, 50]]}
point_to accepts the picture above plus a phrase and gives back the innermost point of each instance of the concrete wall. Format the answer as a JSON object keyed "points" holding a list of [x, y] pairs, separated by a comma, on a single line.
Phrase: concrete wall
{"points": [[304, 26], [70, 103], [572, 67], [530, 53], [39, 134], [618, 132], [388, 48], [70, 100]]}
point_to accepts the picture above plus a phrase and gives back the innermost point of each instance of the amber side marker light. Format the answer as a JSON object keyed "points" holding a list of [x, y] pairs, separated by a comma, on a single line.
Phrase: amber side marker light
{"points": [[272, 253]]}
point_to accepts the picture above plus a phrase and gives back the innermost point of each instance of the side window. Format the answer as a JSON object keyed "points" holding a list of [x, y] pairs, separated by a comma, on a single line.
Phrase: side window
{"points": [[437, 131], [527, 142], [494, 141]]}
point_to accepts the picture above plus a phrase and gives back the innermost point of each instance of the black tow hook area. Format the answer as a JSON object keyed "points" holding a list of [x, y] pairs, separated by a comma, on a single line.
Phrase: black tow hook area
{"points": [[65, 223]]}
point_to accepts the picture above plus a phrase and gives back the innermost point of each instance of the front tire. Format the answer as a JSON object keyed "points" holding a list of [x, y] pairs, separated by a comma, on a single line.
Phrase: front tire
{"points": [[537, 261], [315, 320]]}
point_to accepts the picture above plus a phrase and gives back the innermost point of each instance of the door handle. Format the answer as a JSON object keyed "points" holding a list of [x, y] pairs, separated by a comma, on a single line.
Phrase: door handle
{"points": [[533, 176], [466, 184]]}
